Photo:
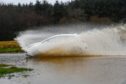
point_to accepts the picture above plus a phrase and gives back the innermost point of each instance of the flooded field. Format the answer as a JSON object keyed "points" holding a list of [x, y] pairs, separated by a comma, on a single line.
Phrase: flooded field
{"points": [[67, 70]]}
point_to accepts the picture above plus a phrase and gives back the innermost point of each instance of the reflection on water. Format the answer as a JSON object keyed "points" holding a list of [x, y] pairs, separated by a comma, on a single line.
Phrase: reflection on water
{"points": [[68, 70]]}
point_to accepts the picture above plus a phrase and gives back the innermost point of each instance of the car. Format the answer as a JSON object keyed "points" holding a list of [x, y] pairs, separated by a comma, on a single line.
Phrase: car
{"points": [[36, 48]]}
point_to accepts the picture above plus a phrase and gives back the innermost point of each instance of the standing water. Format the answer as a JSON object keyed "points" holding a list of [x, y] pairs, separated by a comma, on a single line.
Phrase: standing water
{"points": [[67, 70]]}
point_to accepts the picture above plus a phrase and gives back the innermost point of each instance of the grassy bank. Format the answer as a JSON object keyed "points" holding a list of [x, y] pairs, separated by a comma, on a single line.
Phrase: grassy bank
{"points": [[9, 47], [9, 69]]}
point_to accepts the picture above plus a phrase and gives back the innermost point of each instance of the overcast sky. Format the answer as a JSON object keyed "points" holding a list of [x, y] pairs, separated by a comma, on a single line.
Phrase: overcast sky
{"points": [[27, 1]]}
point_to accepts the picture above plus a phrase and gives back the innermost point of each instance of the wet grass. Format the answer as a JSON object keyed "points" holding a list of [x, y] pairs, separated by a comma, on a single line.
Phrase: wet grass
{"points": [[4, 65], [9, 47], [9, 69]]}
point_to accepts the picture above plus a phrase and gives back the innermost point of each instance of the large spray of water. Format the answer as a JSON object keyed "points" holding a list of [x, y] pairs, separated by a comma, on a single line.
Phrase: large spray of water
{"points": [[103, 41]]}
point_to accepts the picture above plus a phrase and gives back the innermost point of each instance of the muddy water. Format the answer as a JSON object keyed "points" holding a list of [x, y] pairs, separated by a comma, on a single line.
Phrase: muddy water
{"points": [[67, 70]]}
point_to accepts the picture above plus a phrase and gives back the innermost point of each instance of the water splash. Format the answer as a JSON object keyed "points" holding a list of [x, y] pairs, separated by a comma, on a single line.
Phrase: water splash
{"points": [[105, 41]]}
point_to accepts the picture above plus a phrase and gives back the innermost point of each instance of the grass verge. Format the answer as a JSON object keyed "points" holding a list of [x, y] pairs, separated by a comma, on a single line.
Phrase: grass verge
{"points": [[9, 69], [9, 47]]}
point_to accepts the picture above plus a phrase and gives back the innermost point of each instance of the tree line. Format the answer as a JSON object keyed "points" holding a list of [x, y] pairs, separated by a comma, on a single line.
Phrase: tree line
{"points": [[15, 18]]}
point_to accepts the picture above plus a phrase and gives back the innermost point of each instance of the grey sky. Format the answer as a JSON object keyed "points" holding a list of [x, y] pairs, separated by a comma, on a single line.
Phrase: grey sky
{"points": [[27, 1]]}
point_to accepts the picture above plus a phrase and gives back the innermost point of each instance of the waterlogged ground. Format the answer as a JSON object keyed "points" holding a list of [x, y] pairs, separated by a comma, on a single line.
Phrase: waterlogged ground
{"points": [[67, 70]]}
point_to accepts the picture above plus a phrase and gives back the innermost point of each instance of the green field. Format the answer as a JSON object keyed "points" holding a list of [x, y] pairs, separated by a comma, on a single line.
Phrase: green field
{"points": [[9, 69], [9, 47]]}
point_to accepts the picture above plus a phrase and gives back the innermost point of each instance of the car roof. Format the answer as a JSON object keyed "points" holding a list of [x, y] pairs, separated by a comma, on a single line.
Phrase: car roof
{"points": [[60, 35]]}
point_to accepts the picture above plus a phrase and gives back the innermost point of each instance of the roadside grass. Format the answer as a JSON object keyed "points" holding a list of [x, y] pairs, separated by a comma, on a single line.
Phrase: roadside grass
{"points": [[9, 47], [4, 65], [9, 69]]}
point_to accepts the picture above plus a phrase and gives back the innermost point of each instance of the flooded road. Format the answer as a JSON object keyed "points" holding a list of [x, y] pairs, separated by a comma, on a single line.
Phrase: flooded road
{"points": [[68, 70]]}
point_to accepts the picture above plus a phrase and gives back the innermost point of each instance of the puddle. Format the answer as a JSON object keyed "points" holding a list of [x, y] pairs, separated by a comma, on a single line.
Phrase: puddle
{"points": [[67, 70]]}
